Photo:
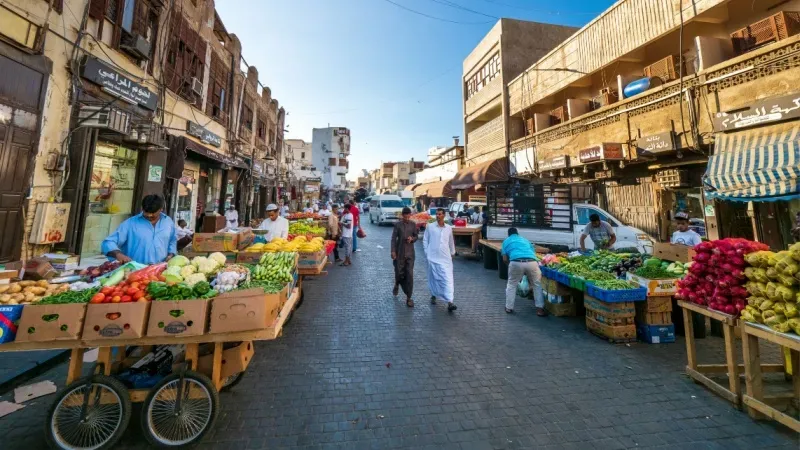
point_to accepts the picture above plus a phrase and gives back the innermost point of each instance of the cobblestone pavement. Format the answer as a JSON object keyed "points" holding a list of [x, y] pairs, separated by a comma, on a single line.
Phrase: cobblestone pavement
{"points": [[357, 369]]}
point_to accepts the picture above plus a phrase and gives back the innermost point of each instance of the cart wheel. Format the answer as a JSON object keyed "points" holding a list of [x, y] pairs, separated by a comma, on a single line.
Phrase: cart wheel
{"points": [[179, 411], [90, 413], [230, 382]]}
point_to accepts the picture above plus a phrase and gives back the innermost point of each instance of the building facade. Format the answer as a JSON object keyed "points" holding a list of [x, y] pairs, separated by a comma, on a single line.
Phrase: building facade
{"points": [[330, 152]]}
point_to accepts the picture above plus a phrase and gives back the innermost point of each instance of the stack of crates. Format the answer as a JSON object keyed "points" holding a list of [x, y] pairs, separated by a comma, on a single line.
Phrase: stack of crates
{"points": [[613, 321], [654, 320], [558, 299]]}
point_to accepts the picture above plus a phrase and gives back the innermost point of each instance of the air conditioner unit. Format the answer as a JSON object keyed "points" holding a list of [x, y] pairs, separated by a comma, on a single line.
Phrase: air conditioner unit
{"points": [[135, 45], [197, 86], [109, 118]]}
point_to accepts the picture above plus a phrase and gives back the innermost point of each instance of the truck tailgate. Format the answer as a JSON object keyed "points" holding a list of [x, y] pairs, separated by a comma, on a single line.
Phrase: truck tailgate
{"points": [[537, 236]]}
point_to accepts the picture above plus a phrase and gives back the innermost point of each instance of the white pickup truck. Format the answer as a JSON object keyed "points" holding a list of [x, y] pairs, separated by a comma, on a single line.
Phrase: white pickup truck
{"points": [[570, 237]]}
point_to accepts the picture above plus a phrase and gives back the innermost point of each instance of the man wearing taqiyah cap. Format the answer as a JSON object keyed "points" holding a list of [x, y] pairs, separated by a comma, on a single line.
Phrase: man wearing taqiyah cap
{"points": [[275, 225], [684, 236]]}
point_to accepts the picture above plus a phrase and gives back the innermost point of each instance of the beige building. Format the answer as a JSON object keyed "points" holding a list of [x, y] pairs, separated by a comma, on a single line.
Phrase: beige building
{"points": [[509, 47]]}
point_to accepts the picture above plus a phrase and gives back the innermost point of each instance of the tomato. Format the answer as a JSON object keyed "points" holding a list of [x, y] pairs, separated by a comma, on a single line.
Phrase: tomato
{"points": [[135, 285], [117, 291], [126, 299], [131, 290], [106, 290], [162, 278], [97, 298], [143, 300], [116, 299], [138, 295], [134, 277]]}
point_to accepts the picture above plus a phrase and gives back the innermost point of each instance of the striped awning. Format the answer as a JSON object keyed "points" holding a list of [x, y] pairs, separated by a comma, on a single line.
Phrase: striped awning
{"points": [[758, 164]]}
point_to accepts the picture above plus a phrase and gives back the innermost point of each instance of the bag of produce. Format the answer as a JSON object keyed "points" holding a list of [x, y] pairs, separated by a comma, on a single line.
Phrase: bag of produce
{"points": [[794, 250], [794, 324], [771, 291], [772, 273], [766, 306], [787, 265], [784, 293], [772, 259], [749, 272], [779, 308], [786, 280], [760, 275], [782, 327], [755, 300], [774, 320], [790, 310]]}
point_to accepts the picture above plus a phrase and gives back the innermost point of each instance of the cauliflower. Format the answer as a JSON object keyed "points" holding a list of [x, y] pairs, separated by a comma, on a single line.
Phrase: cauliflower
{"points": [[218, 257], [194, 278], [188, 270], [206, 266], [173, 274], [197, 260]]}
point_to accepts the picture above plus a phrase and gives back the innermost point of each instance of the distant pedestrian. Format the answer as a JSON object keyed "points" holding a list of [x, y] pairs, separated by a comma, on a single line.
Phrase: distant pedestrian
{"points": [[308, 209], [333, 231], [520, 256], [356, 222], [232, 217], [439, 250], [347, 236], [475, 218], [404, 235], [184, 234]]}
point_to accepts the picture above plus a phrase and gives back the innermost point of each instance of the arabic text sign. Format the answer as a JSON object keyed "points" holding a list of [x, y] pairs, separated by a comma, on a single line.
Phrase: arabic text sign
{"points": [[602, 152], [118, 85], [200, 132], [657, 143], [559, 162], [762, 112]]}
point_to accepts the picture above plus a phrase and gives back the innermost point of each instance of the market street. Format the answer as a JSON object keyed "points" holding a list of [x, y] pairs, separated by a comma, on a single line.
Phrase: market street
{"points": [[356, 368]]}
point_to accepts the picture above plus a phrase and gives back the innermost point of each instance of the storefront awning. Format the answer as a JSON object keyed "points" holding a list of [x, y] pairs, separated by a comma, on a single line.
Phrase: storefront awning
{"points": [[488, 172], [758, 164], [233, 161], [411, 187], [436, 189]]}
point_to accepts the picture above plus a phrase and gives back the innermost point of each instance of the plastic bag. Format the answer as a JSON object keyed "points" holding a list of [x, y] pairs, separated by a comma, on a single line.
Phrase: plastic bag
{"points": [[774, 320], [787, 265], [523, 288], [772, 273], [749, 272], [760, 275], [779, 308], [794, 324], [786, 280], [772, 292], [790, 310], [784, 293]]}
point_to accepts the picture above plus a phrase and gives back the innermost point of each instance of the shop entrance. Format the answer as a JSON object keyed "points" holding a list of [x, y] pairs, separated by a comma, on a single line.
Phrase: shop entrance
{"points": [[187, 193]]}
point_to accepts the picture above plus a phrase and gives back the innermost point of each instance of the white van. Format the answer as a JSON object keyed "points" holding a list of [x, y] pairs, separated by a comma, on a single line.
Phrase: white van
{"points": [[570, 237], [385, 208]]}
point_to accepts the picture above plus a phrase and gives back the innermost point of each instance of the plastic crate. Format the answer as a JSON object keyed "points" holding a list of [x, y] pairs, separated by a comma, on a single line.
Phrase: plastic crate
{"points": [[562, 278], [656, 334], [547, 272], [577, 283], [616, 296]]}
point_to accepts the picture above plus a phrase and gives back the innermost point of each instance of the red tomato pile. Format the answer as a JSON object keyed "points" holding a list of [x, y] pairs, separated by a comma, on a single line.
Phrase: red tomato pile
{"points": [[133, 289]]}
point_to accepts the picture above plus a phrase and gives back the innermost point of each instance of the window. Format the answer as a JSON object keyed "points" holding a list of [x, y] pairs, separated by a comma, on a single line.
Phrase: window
{"points": [[262, 129], [391, 204], [302, 155], [331, 161], [128, 19], [583, 213], [482, 77], [218, 77], [247, 117], [186, 54], [127, 15]]}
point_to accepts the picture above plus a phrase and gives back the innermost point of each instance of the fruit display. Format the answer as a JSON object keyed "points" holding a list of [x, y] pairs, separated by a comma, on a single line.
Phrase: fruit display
{"points": [[599, 265], [299, 244], [299, 228], [96, 271], [304, 216], [29, 292], [422, 217], [716, 277], [275, 267], [773, 280]]}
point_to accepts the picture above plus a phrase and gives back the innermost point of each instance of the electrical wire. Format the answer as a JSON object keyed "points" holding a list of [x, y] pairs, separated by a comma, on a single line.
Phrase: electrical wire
{"points": [[457, 6], [434, 17], [542, 11]]}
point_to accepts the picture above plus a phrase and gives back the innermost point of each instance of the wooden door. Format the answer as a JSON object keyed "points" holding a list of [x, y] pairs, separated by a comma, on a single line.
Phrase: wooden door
{"points": [[634, 205]]}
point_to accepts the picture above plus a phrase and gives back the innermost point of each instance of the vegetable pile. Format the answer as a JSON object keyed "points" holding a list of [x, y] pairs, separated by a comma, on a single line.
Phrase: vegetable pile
{"points": [[716, 277], [275, 267], [229, 277], [96, 271], [180, 291], [69, 297], [773, 287], [270, 287], [655, 269], [615, 285]]}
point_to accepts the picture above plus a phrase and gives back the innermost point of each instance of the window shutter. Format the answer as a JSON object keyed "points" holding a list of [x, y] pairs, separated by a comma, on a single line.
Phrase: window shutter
{"points": [[141, 15], [97, 9]]}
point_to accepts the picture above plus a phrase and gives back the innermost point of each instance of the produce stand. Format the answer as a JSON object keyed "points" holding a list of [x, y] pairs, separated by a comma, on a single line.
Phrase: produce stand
{"points": [[758, 404], [315, 270], [699, 372], [473, 233], [491, 255]]}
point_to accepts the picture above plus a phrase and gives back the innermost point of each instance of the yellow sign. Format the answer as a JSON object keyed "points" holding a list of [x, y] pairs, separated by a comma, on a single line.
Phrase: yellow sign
{"points": [[477, 199]]}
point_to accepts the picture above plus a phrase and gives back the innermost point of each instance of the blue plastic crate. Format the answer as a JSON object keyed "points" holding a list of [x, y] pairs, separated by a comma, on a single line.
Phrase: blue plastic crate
{"points": [[622, 295], [656, 334], [562, 278], [547, 272]]}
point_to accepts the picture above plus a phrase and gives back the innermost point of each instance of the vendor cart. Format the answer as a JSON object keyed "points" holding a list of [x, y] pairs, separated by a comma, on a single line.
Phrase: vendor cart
{"points": [[93, 412], [466, 239]]}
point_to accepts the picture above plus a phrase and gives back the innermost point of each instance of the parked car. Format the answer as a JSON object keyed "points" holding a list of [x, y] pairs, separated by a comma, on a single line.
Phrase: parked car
{"points": [[385, 209]]}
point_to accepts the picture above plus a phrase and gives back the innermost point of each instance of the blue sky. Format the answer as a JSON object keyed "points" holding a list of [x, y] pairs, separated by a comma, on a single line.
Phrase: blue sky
{"points": [[392, 76]]}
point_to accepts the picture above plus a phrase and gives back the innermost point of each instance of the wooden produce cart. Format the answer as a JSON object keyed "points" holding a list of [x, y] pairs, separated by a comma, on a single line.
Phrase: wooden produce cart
{"points": [[699, 372], [758, 404], [466, 239], [494, 261], [94, 411], [317, 268]]}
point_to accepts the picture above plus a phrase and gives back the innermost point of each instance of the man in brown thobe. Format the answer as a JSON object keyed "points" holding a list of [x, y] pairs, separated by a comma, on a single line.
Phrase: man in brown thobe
{"points": [[403, 237]]}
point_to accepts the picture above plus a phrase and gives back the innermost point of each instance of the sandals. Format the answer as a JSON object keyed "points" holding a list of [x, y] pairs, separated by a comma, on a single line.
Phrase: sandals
{"points": [[410, 303], [345, 265]]}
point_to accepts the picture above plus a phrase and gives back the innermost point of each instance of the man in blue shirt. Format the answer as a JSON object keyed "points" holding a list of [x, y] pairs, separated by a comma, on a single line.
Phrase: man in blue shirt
{"points": [[520, 256], [147, 238]]}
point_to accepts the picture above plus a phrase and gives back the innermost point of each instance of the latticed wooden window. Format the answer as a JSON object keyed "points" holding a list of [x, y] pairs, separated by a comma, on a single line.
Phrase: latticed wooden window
{"points": [[483, 76]]}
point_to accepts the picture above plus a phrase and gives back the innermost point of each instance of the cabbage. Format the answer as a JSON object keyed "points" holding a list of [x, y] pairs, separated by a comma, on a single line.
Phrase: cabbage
{"points": [[188, 270], [178, 261], [173, 274], [218, 257]]}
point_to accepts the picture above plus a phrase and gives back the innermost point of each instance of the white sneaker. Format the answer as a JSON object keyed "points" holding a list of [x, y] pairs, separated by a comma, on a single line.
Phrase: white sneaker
{"points": [[357, 250]]}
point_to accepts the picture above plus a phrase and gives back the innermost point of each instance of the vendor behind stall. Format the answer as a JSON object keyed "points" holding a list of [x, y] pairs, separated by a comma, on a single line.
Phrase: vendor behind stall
{"points": [[684, 236], [147, 238], [601, 232], [275, 225]]}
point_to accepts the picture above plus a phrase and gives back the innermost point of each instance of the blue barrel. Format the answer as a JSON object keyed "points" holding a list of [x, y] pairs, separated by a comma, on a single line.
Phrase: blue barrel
{"points": [[638, 86]]}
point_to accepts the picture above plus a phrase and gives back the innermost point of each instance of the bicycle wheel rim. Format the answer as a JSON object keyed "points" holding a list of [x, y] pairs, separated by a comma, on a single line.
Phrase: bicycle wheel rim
{"points": [[174, 428], [103, 417]]}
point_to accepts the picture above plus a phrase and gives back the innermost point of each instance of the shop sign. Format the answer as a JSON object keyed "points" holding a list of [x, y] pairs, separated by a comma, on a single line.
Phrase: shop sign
{"points": [[656, 143], [200, 132], [311, 188], [602, 152], [604, 174], [759, 113], [559, 162], [118, 85], [258, 168], [569, 180], [155, 173], [477, 199]]}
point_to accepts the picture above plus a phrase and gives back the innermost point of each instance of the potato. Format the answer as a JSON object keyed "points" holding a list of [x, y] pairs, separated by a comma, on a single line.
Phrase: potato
{"points": [[5, 298], [35, 290], [19, 296], [42, 283], [16, 287], [29, 296], [26, 283], [12, 302], [4, 288]]}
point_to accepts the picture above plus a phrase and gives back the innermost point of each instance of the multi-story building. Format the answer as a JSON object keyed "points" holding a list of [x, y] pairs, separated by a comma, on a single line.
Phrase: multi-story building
{"points": [[686, 113], [143, 102], [330, 150], [508, 48], [443, 164]]}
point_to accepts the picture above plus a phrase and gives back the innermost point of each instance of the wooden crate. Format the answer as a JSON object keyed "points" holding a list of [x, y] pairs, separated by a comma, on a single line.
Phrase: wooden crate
{"points": [[666, 69], [610, 320], [614, 334], [653, 318], [774, 28]]}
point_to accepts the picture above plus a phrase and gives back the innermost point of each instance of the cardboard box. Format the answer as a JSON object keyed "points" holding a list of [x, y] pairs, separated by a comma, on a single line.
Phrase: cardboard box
{"points": [[15, 269], [7, 275], [656, 334], [618, 333], [116, 320], [234, 360], [249, 309], [557, 299], [249, 257], [190, 253], [656, 304], [39, 269], [673, 252], [310, 260], [611, 310], [610, 320], [9, 319], [560, 309], [553, 287], [655, 287], [224, 241], [51, 322], [178, 317]]}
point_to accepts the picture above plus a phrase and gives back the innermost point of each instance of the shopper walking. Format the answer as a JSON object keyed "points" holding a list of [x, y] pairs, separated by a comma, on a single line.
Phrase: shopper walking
{"points": [[333, 232], [356, 223], [439, 250], [404, 235], [347, 236], [520, 256]]}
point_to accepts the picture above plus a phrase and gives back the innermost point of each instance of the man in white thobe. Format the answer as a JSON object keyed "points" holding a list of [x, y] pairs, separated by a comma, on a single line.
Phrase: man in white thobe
{"points": [[439, 250], [275, 225]]}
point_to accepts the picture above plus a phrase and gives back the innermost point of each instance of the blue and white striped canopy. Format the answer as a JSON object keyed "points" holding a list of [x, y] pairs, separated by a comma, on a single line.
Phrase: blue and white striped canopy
{"points": [[760, 164]]}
